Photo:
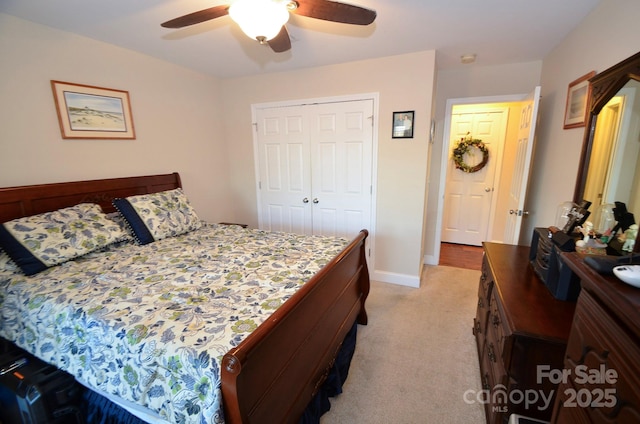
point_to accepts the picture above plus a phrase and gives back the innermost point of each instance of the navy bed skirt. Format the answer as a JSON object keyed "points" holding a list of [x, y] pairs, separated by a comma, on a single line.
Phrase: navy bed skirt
{"points": [[99, 410], [336, 378]]}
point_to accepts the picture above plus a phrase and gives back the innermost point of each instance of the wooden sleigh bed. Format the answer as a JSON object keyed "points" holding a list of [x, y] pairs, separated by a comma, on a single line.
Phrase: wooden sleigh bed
{"points": [[273, 374]]}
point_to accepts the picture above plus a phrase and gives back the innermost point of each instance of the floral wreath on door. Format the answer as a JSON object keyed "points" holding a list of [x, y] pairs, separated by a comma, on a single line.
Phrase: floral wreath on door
{"points": [[467, 145]]}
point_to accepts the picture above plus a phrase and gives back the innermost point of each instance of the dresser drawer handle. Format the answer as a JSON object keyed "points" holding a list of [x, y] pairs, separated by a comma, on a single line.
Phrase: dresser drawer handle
{"points": [[476, 328], [485, 382], [491, 353], [496, 321]]}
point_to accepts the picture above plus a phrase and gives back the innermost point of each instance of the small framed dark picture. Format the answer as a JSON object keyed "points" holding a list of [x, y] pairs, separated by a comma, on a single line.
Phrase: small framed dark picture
{"points": [[403, 124]]}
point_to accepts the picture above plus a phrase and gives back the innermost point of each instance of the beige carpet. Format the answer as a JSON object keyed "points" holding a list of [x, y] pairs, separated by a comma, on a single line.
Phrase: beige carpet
{"points": [[417, 357]]}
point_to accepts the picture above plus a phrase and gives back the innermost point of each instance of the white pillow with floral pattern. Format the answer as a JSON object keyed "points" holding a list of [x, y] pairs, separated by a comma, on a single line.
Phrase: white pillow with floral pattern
{"points": [[158, 215], [37, 242]]}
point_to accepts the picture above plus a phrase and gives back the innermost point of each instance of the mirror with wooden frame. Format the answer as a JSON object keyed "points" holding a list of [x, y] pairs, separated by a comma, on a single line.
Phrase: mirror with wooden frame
{"points": [[609, 170]]}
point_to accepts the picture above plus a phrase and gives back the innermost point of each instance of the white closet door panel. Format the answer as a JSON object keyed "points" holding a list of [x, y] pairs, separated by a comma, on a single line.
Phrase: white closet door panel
{"points": [[296, 168], [273, 180], [274, 217], [326, 163], [355, 169], [325, 222], [341, 139], [284, 163]]}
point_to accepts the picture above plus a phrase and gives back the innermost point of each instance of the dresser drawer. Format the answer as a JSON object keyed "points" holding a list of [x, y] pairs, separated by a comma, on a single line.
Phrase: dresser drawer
{"points": [[480, 321], [570, 414], [486, 278], [493, 380], [498, 327], [601, 360]]}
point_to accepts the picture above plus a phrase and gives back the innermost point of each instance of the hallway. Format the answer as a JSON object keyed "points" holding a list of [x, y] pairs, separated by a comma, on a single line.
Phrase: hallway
{"points": [[461, 256]]}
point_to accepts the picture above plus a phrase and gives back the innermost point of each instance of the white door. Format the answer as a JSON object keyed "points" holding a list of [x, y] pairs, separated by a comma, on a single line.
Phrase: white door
{"points": [[341, 136], [520, 180], [468, 196], [315, 167], [284, 162]]}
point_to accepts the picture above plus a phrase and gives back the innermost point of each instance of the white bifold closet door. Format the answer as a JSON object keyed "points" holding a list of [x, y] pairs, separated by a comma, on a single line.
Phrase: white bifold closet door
{"points": [[314, 167]]}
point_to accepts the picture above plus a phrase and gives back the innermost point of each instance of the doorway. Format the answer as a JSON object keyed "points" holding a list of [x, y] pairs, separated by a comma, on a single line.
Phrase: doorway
{"points": [[461, 256], [514, 165], [469, 200]]}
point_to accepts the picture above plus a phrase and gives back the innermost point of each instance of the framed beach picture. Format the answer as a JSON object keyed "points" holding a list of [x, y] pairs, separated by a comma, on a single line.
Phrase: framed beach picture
{"points": [[85, 111], [403, 124], [575, 113]]}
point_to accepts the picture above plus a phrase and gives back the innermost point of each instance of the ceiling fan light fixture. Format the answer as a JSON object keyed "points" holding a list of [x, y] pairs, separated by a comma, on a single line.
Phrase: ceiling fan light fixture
{"points": [[260, 19]]}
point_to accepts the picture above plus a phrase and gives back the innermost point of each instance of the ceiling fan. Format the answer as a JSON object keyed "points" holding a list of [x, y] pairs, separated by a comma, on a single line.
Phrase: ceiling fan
{"points": [[263, 20]]}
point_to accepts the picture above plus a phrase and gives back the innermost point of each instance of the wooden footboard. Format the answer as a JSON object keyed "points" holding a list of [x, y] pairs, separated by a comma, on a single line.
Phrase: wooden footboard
{"points": [[274, 373]]}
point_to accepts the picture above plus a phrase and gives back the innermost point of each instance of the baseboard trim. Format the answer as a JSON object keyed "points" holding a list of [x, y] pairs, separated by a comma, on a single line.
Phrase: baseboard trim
{"points": [[395, 278], [430, 260]]}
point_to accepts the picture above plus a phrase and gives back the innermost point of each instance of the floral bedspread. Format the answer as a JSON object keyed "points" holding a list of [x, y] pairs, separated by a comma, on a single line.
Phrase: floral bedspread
{"points": [[151, 323]]}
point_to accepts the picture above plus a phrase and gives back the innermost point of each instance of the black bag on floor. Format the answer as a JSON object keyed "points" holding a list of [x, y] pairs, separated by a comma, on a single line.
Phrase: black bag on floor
{"points": [[34, 392]]}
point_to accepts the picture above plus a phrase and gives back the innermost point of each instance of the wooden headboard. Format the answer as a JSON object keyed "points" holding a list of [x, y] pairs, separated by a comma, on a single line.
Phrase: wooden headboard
{"points": [[18, 202]]}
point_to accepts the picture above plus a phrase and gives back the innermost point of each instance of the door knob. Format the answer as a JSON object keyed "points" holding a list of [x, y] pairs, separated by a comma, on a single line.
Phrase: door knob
{"points": [[488, 189], [305, 200], [315, 200]]}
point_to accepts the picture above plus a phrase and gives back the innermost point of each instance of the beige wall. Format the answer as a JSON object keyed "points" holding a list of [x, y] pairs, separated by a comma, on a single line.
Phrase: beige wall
{"points": [[404, 82], [608, 35], [176, 113]]}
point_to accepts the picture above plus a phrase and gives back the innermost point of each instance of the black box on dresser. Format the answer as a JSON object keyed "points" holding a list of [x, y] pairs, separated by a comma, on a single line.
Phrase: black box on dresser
{"points": [[544, 256]]}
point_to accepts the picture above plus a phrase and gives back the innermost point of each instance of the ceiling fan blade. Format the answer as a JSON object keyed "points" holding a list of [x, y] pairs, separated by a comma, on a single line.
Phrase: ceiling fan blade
{"points": [[281, 42], [197, 17], [335, 11]]}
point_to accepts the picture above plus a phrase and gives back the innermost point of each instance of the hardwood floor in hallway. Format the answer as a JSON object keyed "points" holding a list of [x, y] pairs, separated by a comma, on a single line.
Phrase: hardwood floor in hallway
{"points": [[461, 256]]}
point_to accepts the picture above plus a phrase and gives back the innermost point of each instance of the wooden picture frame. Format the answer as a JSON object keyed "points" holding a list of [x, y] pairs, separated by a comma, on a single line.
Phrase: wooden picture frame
{"points": [[578, 93], [89, 112], [403, 124]]}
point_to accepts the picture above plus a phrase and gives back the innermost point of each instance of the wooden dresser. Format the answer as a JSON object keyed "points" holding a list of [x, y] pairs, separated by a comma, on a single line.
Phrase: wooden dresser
{"points": [[602, 361], [518, 326]]}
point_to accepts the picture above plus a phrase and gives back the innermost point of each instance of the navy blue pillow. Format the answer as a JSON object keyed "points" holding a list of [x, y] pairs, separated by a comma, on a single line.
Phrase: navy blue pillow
{"points": [[19, 254], [140, 231]]}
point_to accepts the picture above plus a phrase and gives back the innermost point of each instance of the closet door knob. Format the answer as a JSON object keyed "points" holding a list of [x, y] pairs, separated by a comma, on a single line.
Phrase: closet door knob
{"points": [[315, 200], [305, 200]]}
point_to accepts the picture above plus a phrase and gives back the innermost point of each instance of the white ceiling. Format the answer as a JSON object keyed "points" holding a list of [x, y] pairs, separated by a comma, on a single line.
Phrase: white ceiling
{"points": [[498, 31]]}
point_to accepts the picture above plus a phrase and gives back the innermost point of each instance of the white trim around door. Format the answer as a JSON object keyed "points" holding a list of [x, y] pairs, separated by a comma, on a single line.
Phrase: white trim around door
{"points": [[435, 258]]}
